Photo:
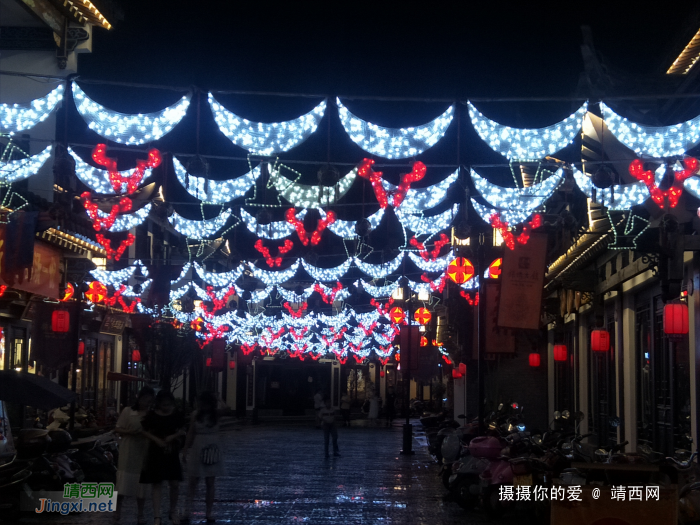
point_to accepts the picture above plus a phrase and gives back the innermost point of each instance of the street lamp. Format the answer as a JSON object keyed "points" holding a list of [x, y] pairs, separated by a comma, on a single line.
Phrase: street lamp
{"points": [[407, 297]]}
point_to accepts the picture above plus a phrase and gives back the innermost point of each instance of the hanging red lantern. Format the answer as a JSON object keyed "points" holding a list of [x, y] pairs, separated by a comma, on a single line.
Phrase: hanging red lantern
{"points": [[397, 315], [208, 361], [423, 341], [97, 292], [676, 320], [534, 359], [70, 290], [561, 353], [423, 315], [495, 268], [381, 373], [60, 321], [456, 374], [232, 365], [600, 340], [463, 369], [81, 348], [136, 356], [460, 270]]}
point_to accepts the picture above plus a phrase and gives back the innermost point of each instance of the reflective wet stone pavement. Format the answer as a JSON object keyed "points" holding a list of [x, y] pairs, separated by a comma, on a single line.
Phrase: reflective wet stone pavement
{"points": [[277, 473]]}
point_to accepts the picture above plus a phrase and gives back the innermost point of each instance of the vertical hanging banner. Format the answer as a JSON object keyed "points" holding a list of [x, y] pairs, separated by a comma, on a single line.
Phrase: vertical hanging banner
{"points": [[414, 346], [522, 279], [497, 340]]}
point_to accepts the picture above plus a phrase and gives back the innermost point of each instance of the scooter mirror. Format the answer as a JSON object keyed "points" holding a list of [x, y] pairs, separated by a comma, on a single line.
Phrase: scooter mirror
{"points": [[500, 407], [566, 414], [557, 414]]}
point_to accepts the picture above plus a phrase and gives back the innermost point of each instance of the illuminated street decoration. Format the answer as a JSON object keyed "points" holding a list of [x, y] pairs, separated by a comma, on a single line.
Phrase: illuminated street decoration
{"points": [[495, 268], [460, 270], [219, 279], [377, 271], [632, 229], [116, 179], [680, 174], [416, 174], [346, 229], [131, 129], [266, 138], [422, 315], [419, 200], [377, 291], [98, 180], [527, 143], [265, 252], [422, 225], [199, 229], [655, 141], [115, 253], [128, 221], [394, 143], [308, 196], [215, 191], [20, 117], [327, 274], [397, 315], [273, 278], [273, 231], [20, 169], [100, 219], [96, 293], [375, 178], [437, 265], [296, 220], [618, 197]]}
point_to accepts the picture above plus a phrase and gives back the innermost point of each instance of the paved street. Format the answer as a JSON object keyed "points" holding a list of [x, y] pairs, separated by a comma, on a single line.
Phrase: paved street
{"points": [[277, 474]]}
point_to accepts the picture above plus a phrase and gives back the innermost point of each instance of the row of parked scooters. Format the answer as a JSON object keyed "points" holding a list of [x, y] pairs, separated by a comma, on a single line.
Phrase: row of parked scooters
{"points": [[475, 464], [45, 460]]}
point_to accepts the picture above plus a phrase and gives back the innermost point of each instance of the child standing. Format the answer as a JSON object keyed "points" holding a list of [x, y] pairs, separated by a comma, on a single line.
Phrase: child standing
{"points": [[327, 415]]}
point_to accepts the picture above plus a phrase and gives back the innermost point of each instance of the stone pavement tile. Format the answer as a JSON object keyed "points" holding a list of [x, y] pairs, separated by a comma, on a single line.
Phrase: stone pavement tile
{"points": [[276, 474]]}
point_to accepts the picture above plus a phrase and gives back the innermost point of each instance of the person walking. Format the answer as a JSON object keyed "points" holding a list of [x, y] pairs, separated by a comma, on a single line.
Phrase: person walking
{"points": [[318, 405], [345, 409], [132, 452], [203, 454], [327, 415], [164, 426]]}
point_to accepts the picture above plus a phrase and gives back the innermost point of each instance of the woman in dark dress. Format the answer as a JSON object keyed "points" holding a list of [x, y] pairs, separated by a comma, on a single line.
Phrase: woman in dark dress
{"points": [[164, 426]]}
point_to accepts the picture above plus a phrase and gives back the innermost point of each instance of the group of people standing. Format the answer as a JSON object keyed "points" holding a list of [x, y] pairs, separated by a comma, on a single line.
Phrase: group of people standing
{"points": [[155, 444]]}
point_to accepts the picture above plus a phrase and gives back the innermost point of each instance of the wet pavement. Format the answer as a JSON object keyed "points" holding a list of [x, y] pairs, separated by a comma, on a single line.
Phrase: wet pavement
{"points": [[277, 473]]}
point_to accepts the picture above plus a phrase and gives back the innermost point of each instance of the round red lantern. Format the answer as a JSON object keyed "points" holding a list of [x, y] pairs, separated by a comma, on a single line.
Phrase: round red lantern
{"points": [[534, 359], [495, 268], [600, 340], [60, 321], [70, 290], [423, 341], [97, 292], [232, 364], [676, 320], [396, 314], [423, 315], [560, 353], [381, 373], [456, 374], [463, 368], [81, 348], [460, 270], [136, 356]]}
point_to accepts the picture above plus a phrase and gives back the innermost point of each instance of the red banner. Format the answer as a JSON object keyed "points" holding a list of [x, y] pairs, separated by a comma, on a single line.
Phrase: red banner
{"points": [[46, 274]]}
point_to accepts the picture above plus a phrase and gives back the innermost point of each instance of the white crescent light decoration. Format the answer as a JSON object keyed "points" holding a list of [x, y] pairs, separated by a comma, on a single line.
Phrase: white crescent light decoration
{"points": [[215, 191], [219, 279], [693, 186], [511, 217], [307, 196], [20, 117], [129, 128], [21, 169], [421, 225], [273, 231], [263, 138], [291, 297], [274, 278], [394, 143], [346, 229], [518, 202], [199, 229], [127, 221], [418, 200], [377, 271], [618, 197], [98, 179], [527, 143], [656, 141], [327, 274], [438, 265], [377, 291]]}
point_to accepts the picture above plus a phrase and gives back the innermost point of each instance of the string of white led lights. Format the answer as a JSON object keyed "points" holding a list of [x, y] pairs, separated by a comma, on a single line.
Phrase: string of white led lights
{"points": [[201, 229], [20, 169], [618, 197], [421, 225], [215, 191], [97, 179], [273, 231], [21, 117], [421, 199], [126, 221], [308, 196]]}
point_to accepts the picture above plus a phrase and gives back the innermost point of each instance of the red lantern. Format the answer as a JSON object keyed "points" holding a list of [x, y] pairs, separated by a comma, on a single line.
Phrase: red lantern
{"points": [[460, 270], [456, 374], [232, 365], [600, 340], [60, 321], [534, 359], [495, 269], [136, 356], [423, 316], [70, 290], [560, 353], [463, 369], [197, 324], [97, 292], [208, 361], [397, 315], [676, 320], [423, 341], [381, 373], [81, 348]]}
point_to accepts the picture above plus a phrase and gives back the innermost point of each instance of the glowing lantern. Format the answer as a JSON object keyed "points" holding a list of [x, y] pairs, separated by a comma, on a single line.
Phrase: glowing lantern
{"points": [[600, 340], [534, 359], [397, 356], [70, 290], [423, 316], [381, 373], [197, 324], [97, 292], [463, 368], [460, 270], [495, 269], [232, 364], [397, 316], [136, 356], [456, 374], [560, 353], [423, 341], [208, 361], [676, 320], [60, 321], [81, 348]]}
